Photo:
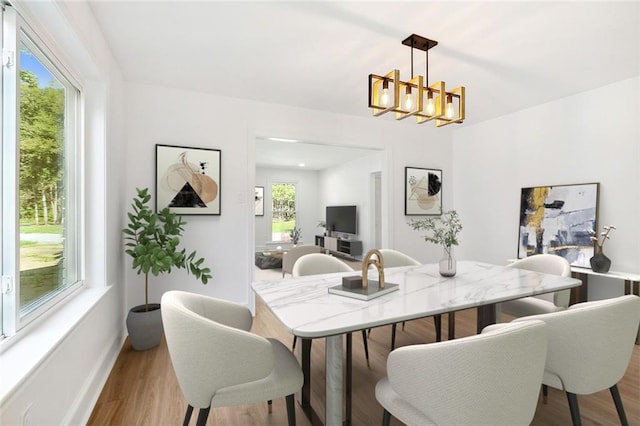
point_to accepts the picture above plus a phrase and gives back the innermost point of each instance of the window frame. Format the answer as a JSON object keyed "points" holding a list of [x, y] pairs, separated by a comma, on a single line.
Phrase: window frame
{"points": [[282, 182], [17, 31]]}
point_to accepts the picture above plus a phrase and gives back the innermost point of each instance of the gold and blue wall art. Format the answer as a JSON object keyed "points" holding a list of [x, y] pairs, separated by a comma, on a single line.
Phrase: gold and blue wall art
{"points": [[555, 219]]}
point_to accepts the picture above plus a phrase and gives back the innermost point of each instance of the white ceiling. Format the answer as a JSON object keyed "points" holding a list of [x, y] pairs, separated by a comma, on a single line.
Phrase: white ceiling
{"points": [[318, 55], [305, 155]]}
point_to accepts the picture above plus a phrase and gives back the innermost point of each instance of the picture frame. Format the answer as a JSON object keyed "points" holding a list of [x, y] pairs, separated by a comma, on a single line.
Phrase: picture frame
{"points": [[422, 191], [555, 219], [188, 179], [259, 199]]}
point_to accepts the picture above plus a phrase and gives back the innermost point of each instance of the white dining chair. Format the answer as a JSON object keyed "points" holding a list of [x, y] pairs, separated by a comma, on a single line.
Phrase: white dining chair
{"points": [[492, 378], [318, 263], [218, 362], [543, 303], [394, 258], [589, 349], [291, 256]]}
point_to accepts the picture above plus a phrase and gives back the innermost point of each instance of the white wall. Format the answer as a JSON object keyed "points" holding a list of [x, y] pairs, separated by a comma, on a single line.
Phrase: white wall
{"points": [[178, 117], [306, 182], [350, 184], [590, 137]]}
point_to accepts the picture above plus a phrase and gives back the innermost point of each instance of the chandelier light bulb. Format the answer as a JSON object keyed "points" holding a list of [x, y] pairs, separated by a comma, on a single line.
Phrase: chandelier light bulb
{"points": [[408, 103], [431, 107], [449, 110], [384, 99]]}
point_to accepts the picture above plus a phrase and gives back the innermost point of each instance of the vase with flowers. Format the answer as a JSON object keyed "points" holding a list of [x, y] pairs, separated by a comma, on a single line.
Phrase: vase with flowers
{"points": [[599, 262], [442, 230]]}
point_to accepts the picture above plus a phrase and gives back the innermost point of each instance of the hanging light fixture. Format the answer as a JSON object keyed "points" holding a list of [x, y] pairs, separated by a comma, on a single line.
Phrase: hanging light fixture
{"points": [[416, 97]]}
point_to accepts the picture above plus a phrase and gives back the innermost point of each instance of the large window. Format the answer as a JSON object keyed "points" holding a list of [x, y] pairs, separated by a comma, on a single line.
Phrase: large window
{"points": [[41, 213], [283, 218]]}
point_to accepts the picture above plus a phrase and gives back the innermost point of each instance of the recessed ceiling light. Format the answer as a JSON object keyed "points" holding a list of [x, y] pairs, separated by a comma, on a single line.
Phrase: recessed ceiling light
{"points": [[283, 140], [301, 165]]}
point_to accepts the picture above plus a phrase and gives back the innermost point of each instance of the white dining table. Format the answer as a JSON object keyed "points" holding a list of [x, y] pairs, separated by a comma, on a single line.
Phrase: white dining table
{"points": [[305, 307]]}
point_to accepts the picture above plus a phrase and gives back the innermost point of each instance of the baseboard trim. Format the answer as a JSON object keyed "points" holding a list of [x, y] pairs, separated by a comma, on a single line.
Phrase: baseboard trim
{"points": [[87, 397]]}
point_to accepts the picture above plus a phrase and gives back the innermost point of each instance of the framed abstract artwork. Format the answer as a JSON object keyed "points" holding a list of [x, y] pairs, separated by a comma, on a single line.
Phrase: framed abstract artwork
{"points": [[422, 191], [259, 200], [188, 180], [556, 220]]}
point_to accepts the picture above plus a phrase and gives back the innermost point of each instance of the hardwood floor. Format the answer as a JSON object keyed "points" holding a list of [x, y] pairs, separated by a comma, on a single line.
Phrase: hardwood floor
{"points": [[142, 388]]}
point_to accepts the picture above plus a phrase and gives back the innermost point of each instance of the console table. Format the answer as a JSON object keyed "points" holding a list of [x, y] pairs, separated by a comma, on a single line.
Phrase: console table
{"points": [[579, 294], [348, 248]]}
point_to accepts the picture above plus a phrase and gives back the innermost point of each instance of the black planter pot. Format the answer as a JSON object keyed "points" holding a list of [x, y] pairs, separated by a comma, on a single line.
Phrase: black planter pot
{"points": [[145, 326], [600, 263]]}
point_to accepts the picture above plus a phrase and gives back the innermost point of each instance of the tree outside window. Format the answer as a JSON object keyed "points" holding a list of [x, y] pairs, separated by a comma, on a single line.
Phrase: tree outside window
{"points": [[283, 218]]}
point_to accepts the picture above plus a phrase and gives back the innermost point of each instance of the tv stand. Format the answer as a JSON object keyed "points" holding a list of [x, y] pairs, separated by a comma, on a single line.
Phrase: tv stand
{"points": [[342, 247]]}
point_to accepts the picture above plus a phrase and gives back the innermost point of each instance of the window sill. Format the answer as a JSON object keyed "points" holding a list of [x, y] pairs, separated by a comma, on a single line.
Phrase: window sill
{"points": [[22, 353]]}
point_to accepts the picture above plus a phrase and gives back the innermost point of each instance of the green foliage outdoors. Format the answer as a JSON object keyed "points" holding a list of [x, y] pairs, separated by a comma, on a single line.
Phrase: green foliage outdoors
{"points": [[283, 226], [283, 191], [283, 199], [153, 240], [41, 151], [40, 180], [442, 230], [41, 229]]}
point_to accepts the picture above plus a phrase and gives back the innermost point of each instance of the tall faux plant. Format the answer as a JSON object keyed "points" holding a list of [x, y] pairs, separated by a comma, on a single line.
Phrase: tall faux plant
{"points": [[153, 240]]}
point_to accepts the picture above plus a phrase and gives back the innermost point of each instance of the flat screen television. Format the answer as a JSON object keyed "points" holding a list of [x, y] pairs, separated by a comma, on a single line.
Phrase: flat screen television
{"points": [[342, 219]]}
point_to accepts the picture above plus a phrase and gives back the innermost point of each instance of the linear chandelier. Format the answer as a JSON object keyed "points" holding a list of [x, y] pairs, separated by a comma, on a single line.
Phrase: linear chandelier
{"points": [[416, 97]]}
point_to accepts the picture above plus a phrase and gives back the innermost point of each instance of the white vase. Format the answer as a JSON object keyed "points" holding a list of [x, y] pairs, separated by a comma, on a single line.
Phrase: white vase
{"points": [[447, 263]]}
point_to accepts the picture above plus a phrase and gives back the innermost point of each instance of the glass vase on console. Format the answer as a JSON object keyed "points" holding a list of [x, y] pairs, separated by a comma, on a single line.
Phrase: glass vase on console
{"points": [[447, 265]]}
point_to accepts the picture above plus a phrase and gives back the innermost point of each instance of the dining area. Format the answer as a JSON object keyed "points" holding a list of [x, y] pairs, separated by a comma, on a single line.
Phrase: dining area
{"points": [[304, 307], [364, 375]]}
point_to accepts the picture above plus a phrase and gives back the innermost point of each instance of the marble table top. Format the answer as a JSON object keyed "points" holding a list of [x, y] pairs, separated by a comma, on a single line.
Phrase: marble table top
{"points": [[305, 307]]}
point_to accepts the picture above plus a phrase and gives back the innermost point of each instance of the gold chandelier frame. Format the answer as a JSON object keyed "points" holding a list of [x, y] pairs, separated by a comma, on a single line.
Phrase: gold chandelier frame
{"points": [[423, 101]]}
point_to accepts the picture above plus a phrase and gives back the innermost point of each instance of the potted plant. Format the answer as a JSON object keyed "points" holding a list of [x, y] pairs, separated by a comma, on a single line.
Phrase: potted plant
{"points": [[322, 224], [443, 230], [295, 235], [152, 240]]}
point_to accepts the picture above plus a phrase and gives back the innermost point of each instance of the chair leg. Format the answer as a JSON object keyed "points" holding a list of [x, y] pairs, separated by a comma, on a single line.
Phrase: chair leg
{"points": [[545, 393], [402, 325], [386, 418], [393, 336], [187, 415], [291, 410], [615, 394], [293, 346], [202, 416], [270, 406], [437, 322], [573, 406], [366, 346], [452, 326]]}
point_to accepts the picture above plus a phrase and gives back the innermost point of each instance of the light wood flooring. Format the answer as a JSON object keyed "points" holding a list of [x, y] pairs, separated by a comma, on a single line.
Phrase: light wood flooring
{"points": [[142, 388]]}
